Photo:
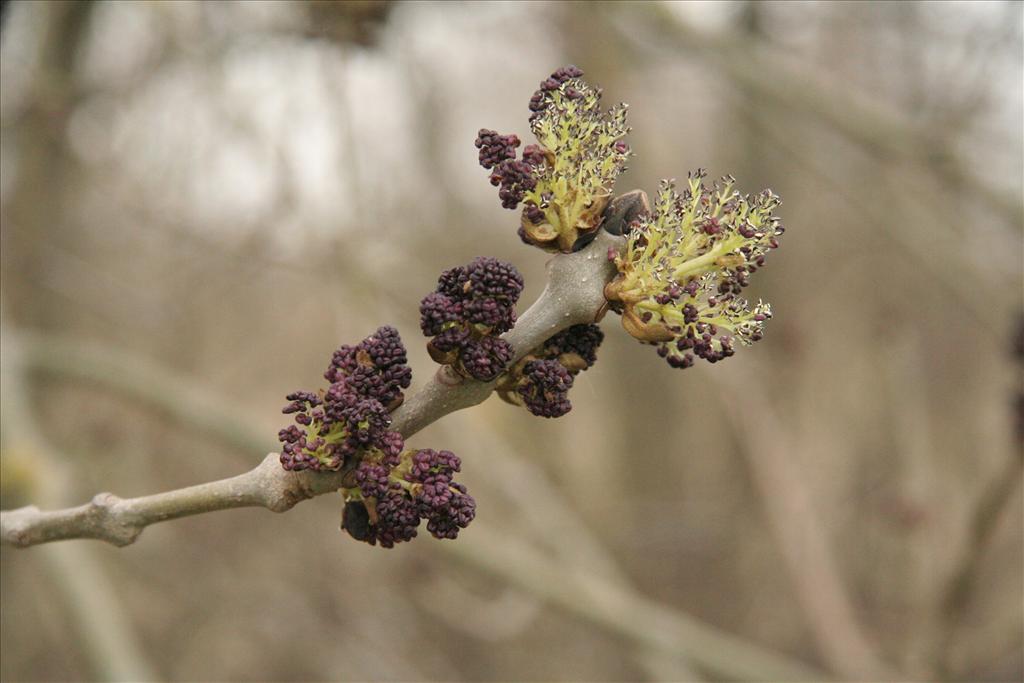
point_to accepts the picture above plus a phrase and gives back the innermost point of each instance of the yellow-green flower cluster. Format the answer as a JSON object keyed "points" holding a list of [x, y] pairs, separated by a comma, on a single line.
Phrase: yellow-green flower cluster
{"points": [[684, 265], [580, 155]]}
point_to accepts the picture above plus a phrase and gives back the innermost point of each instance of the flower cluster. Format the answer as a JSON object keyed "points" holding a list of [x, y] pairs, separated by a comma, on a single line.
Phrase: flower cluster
{"points": [[471, 306], [349, 420], [375, 368], [387, 490], [685, 264], [541, 380], [390, 499], [565, 181], [541, 98]]}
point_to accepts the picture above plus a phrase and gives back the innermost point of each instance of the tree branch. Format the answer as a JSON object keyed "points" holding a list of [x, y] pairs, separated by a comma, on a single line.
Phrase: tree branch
{"points": [[714, 651], [574, 294]]}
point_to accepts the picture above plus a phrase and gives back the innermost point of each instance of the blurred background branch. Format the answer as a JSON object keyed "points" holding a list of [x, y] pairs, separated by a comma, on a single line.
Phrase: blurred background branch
{"points": [[783, 81], [77, 578]]}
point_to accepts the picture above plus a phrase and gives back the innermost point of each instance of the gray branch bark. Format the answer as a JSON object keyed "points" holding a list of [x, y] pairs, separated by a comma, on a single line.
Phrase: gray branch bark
{"points": [[574, 294]]}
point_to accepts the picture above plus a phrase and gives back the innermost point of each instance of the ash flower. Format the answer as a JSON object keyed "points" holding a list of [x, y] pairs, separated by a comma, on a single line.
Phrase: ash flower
{"points": [[397, 519], [335, 427], [684, 265], [486, 358], [375, 368], [576, 346], [446, 522], [495, 148], [470, 307], [513, 180], [388, 491], [387, 503], [438, 312], [545, 388], [565, 181], [539, 101], [489, 313], [541, 380], [388, 520], [372, 478], [349, 420], [443, 502], [488, 276]]}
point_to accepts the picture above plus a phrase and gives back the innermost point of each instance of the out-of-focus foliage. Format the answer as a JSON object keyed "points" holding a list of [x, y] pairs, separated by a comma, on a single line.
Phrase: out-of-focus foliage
{"points": [[234, 189]]}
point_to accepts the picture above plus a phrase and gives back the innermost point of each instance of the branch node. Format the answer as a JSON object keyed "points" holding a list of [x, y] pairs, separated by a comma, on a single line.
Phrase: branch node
{"points": [[447, 376], [110, 521]]}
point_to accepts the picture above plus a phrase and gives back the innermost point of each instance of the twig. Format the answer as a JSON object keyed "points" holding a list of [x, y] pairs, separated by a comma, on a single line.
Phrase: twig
{"points": [[574, 294]]}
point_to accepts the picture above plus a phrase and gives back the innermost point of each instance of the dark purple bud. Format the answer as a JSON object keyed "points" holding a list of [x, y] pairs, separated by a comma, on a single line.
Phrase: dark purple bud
{"points": [[534, 155], [495, 148], [437, 311], [372, 479], [445, 522], [486, 358], [494, 278], [533, 214], [540, 98], [515, 179], [582, 340], [545, 388], [355, 520]]}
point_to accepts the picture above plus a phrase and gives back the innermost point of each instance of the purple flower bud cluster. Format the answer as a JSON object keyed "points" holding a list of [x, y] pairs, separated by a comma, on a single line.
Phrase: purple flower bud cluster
{"points": [[545, 388], [391, 502], [582, 340], [564, 182], [471, 306], [349, 420], [513, 178], [375, 368], [540, 99], [443, 502], [495, 148], [542, 379], [485, 358]]}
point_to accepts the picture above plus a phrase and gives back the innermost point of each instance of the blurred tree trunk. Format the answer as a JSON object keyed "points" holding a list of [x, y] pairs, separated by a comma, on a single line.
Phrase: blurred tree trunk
{"points": [[35, 217]]}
